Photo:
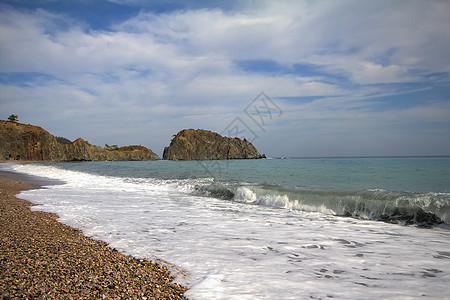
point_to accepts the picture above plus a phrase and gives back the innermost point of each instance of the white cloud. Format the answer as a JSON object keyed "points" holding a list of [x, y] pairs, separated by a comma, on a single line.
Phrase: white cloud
{"points": [[346, 37], [182, 66], [368, 73]]}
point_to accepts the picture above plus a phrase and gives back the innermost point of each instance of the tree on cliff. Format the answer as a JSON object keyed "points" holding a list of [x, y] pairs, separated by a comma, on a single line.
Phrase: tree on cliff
{"points": [[13, 118]]}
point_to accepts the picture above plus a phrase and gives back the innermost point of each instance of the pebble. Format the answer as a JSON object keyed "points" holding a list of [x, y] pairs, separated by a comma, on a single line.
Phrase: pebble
{"points": [[43, 259]]}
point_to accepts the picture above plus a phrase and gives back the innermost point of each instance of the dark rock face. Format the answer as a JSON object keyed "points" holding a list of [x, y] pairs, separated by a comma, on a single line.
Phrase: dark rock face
{"points": [[190, 144], [27, 142]]}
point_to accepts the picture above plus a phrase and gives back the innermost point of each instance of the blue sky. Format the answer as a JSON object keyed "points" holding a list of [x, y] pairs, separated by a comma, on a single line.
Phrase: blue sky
{"points": [[343, 78]]}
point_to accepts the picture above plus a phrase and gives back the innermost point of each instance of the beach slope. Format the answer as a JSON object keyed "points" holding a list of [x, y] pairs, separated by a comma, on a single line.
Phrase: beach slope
{"points": [[41, 258]]}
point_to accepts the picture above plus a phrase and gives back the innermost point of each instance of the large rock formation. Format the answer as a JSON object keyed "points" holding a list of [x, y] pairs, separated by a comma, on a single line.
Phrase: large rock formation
{"points": [[27, 142], [190, 144]]}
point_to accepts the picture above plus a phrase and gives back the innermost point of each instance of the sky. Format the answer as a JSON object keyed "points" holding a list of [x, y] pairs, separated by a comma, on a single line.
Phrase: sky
{"points": [[297, 78]]}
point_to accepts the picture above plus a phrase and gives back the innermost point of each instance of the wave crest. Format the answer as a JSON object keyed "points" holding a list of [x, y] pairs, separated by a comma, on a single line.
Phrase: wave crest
{"points": [[388, 206]]}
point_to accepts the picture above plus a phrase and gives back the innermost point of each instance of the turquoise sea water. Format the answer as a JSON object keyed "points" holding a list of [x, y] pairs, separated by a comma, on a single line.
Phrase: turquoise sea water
{"points": [[390, 189]]}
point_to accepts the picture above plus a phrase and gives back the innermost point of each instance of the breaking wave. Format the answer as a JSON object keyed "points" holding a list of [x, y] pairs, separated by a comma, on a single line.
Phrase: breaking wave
{"points": [[421, 208], [372, 204]]}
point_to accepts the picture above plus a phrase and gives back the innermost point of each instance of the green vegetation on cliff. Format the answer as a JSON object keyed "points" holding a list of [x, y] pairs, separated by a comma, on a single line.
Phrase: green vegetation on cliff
{"points": [[13, 118], [63, 140]]}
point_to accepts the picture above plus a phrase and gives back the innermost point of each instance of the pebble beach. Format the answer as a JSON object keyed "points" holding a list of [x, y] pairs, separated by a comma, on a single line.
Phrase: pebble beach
{"points": [[41, 258]]}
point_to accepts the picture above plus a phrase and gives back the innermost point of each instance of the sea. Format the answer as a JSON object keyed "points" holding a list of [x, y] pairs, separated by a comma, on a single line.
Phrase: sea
{"points": [[295, 228]]}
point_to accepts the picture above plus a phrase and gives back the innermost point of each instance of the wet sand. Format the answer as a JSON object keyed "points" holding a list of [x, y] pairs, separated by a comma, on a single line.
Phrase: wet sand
{"points": [[41, 258]]}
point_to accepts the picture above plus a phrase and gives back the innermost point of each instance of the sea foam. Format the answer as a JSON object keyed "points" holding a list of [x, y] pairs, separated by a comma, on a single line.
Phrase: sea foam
{"points": [[249, 247]]}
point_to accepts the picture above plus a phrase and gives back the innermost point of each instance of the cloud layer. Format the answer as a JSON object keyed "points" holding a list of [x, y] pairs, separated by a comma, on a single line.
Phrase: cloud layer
{"points": [[352, 77]]}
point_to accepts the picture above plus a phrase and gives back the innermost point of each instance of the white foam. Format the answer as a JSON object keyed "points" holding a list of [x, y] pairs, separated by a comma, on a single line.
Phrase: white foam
{"points": [[232, 250], [247, 195]]}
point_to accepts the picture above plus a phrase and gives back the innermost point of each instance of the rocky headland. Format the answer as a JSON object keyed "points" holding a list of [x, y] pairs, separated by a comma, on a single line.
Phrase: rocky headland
{"points": [[33, 143], [190, 144]]}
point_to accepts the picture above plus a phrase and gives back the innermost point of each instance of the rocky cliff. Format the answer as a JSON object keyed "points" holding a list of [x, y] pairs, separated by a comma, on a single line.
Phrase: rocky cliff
{"points": [[190, 144], [27, 142]]}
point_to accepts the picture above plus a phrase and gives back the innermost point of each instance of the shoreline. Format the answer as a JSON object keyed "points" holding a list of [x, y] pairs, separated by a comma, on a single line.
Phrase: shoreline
{"points": [[40, 257]]}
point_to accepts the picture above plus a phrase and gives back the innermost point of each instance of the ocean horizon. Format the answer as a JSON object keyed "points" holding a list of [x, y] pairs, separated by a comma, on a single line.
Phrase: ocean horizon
{"points": [[294, 228]]}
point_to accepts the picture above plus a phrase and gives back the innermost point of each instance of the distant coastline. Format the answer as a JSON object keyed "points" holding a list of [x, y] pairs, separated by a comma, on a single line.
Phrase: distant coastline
{"points": [[357, 156]]}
